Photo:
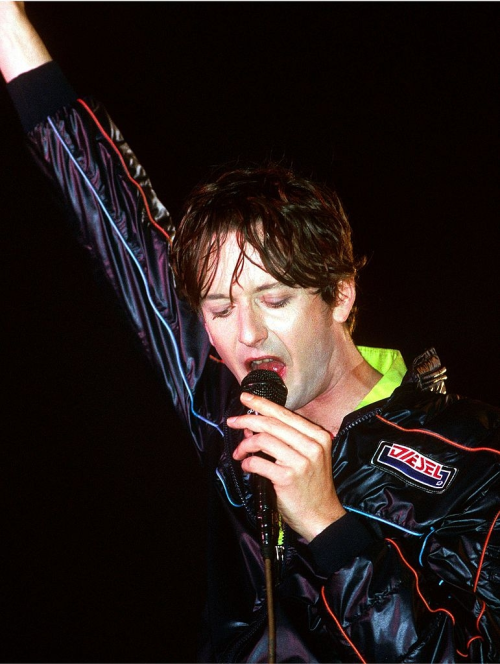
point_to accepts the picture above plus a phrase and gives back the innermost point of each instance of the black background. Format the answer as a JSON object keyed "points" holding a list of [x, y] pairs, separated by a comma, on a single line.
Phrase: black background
{"points": [[393, 104]]}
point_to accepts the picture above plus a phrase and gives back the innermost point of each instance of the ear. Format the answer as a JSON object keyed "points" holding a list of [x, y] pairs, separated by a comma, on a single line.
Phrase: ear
{"points": [[345, 301]]}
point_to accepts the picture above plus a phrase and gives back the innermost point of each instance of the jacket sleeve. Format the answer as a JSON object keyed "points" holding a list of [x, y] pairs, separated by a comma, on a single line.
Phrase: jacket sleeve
{"points": [[437, 600], [118, 220]]}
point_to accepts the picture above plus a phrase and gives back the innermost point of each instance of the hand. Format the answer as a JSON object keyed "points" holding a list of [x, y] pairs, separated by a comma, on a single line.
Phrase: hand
{"points": [[11, 13], [302, 472], [21, 48], [11, 8]]}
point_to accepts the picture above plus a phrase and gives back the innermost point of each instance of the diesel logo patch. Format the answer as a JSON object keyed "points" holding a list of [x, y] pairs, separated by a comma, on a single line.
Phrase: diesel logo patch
{"points": [[413, 467]]}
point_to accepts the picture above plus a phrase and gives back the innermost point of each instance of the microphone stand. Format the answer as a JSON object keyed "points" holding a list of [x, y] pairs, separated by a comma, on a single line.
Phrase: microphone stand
{"points": [[267, 525], [271, 623]]}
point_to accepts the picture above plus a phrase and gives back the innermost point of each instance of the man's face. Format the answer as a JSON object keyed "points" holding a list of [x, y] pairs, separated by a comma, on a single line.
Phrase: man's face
{"points": [[268, 325]]}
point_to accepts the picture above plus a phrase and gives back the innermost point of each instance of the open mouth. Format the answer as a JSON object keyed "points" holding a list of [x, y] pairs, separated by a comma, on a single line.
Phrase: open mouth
{"points": [[268, 364]]}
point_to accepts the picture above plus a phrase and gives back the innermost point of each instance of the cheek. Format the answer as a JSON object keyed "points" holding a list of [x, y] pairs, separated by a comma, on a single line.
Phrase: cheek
{"points": [[210, 336], [314, 340], [220, 340], [210, 329], [307, 329]]}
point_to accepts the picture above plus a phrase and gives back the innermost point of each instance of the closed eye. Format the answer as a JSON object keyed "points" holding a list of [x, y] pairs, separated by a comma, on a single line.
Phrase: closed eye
{"points": [[224, 313], [277, 304]]}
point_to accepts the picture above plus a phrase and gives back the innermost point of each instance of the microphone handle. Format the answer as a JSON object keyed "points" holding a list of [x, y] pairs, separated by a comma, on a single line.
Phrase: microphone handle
{"points": [[265, 510]]}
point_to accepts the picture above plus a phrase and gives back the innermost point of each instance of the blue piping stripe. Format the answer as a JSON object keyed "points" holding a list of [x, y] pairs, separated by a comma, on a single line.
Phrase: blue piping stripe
{"points": [[143, 277], [377, 518], [217, 472], [423, 546]]}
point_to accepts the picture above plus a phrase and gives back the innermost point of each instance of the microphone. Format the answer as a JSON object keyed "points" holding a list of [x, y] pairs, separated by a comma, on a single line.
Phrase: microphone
{"points": [[267, 384]]}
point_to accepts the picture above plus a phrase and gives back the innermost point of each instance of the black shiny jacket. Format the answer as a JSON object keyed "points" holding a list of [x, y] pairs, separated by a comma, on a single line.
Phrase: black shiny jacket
{"points": [[419, 472]]}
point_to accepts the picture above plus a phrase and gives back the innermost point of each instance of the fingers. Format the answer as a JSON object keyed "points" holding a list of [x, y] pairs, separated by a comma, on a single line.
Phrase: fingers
{"points": [[270, 409], [276, 439], [302, 471], [276, 473], [295, 443], [283, 454], [281, 423]]}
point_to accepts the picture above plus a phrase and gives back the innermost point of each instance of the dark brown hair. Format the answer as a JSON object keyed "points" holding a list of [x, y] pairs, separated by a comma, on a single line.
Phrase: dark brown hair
{"points": [[298, 228]]}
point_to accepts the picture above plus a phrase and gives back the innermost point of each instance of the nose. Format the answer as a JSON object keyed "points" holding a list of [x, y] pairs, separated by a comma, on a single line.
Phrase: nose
{"points": [[251, 328]]}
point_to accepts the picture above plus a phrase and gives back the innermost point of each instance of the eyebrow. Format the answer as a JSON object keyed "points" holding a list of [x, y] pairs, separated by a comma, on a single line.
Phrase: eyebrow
{"points": [[264, 287]]}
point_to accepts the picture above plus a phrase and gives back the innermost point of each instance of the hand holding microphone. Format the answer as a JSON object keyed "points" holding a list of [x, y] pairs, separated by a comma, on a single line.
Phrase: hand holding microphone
{"points": [[301, 475]]}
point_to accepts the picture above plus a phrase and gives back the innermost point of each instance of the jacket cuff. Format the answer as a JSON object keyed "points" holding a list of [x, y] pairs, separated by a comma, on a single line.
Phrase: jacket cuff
{"points": [[338, 544], [39, 93]]}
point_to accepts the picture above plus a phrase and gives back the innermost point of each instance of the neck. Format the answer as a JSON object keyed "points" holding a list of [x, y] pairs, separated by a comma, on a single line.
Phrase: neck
{"points": [[354, 381]]}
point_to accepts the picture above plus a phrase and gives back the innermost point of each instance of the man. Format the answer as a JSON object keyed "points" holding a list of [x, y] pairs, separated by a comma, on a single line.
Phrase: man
{"points": [[388, 546]]}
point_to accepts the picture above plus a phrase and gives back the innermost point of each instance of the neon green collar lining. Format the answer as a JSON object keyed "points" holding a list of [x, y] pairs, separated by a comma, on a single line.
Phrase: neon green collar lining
{"points": [[390, 364]]}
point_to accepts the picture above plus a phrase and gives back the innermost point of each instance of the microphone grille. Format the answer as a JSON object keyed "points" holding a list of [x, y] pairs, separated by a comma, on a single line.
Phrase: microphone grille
{"points": [[267, 384]]}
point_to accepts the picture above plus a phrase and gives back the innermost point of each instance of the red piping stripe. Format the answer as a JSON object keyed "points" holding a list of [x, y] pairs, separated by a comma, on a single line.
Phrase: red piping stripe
{"points": [[424, 600], [478, 636], [416, 581], [484, 550], [437, 435], [110, 141], [340, 627], [480, 615]]}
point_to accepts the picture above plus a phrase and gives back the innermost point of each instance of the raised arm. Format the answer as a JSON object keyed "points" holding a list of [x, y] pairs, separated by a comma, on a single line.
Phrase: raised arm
{"points": [[21, 48], [112, 208]]}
